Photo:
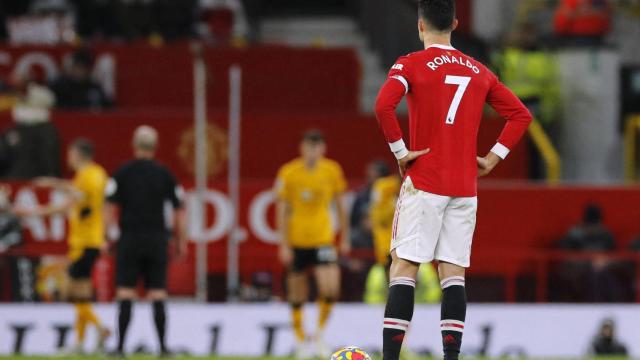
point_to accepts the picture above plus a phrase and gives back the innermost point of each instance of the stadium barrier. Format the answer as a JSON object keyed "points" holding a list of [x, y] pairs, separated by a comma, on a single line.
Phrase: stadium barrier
{"points": [[548, 152], [533, 331]]}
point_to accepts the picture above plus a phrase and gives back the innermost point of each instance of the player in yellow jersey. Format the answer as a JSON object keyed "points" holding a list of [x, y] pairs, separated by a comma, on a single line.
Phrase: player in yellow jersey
{"points": [[384, 193], [84, 206], [307, 188]]}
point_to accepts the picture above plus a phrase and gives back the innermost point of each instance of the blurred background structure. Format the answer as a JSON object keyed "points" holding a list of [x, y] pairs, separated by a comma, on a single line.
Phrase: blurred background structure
{"points": [[558, 222]]}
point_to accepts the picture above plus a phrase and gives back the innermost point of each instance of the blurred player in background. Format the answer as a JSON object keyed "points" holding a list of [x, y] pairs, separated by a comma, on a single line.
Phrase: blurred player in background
{"points": [[306, 189], [436, 213], [141, 188], [10, 226], [384, 193], [84, 203]]}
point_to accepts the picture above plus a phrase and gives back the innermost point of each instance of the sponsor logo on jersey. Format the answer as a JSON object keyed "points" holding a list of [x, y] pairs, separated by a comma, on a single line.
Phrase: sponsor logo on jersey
{"points": [[458, 60], [397, 67]]}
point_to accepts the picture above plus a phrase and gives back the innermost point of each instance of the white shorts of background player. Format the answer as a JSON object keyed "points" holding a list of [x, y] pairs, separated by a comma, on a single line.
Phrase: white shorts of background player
{"points": [[427, 226]]}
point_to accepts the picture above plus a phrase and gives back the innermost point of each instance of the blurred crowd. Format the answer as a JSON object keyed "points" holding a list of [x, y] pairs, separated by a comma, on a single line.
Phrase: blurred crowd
{"points": [[121, 20]]}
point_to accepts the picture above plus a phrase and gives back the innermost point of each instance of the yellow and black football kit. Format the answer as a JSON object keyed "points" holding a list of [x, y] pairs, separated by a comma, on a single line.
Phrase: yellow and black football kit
{"points": [[86, 223], [384, 194], [309, 194]]}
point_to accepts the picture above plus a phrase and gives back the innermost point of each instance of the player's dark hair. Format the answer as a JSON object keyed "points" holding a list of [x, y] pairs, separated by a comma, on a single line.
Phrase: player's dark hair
{"points": [[313, 136], [438, 13], [382, 167], [84, 147], [592, 214]]}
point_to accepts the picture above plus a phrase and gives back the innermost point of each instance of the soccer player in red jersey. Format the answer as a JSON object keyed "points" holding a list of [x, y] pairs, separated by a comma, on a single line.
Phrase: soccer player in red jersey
{"points": [[436, 210]]}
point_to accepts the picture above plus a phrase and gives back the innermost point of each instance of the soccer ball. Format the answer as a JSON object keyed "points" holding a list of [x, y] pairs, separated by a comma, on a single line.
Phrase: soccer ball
{"points": [[350, 353]]}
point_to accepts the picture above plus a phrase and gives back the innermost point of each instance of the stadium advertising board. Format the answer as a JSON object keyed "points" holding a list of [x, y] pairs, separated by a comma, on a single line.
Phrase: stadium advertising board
{"points": [[262, 329]]}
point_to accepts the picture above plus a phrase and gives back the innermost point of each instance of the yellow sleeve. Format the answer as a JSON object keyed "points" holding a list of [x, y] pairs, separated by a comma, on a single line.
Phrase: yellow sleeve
{"points": [[375, 208], [340, 182], [83, 185], [281, 187]]}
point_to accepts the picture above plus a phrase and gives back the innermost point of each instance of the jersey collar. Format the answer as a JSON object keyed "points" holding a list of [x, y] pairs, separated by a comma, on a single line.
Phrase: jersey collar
{"points": [[439, 46]]}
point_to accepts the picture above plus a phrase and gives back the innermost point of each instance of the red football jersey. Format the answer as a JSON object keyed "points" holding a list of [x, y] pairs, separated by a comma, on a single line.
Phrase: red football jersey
{"points": [[446, 92]]}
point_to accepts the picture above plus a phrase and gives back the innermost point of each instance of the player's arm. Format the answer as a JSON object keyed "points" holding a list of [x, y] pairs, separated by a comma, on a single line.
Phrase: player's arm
{"points": [[180, 222], [282, 219], [517, 117], [73, 196], [390, 95], [110, 211], [283, 212], [340, 186], [174, 193], [343, 219]]}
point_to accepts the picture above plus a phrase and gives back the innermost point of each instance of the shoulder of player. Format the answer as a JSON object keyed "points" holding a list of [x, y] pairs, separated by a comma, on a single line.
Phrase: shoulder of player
{"points": [[124, 168], [98, 171], [331, 165], [290, 167], [408, 58], [91, 172], [164, 169], [387, 182]]}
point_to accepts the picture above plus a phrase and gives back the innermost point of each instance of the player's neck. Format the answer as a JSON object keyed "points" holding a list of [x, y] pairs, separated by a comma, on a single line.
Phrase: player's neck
{"points": [[144, 155], [82, 165], [310, 164], [430, 39]]}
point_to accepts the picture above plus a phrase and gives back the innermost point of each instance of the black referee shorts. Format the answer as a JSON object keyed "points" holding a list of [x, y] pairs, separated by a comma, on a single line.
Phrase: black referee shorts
{"points": [[305, 258], [142, 255], [81, 268]]}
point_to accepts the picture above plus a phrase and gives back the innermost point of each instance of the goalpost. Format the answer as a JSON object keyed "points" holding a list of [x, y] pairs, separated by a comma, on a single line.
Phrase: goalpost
{"points": [[200, 154], [201, 174]]}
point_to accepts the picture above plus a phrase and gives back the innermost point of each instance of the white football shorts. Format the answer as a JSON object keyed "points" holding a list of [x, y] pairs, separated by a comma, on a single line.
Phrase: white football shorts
{"points": [[428, 226]]}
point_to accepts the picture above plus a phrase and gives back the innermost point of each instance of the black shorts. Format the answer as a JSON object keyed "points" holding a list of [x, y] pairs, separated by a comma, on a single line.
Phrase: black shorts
{"points": [[81, 268], [142, 256], [305, 258]]}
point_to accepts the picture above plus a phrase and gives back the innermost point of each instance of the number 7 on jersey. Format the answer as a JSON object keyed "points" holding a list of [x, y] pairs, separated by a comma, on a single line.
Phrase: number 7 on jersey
{"points": [[462, 82]]}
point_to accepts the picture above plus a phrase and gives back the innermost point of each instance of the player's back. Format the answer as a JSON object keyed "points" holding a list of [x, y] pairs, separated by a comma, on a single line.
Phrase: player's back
{"points": [[143, 187], [86, 223], [446, 93]]}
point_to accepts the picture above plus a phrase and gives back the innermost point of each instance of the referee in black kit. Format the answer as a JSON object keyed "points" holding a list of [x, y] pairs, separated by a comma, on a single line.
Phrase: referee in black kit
{"points": [[141, 188]]}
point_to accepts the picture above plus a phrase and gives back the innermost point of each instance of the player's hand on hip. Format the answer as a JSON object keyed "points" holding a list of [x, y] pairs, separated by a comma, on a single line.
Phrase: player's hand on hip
{"points": [[285, 254], [487, 163], [406, 161]]}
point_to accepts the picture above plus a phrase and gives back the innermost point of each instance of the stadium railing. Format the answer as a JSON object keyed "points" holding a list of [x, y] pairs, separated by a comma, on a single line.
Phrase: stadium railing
{"points": [[631, 147], [544, 265], [548, 152]]}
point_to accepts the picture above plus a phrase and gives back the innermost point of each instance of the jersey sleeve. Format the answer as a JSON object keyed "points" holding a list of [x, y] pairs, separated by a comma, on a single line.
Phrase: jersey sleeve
{"points": [[175, 192], [113, 189], [281, 187], [518, 118], [398, 84], [340, 182]]}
